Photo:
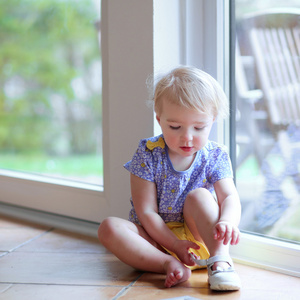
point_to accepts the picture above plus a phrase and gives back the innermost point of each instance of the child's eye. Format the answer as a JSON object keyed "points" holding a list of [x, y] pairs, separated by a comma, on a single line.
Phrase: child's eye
{"points": [[199, 128], [174, 127]]}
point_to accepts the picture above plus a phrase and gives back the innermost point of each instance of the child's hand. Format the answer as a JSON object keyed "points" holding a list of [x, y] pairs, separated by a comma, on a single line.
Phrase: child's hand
{"points": [[181, 248], [226, 231]]}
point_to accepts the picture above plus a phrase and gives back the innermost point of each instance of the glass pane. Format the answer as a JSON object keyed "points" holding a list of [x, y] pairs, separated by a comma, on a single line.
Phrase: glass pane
{"points": [[50, 96], [268, 116]]}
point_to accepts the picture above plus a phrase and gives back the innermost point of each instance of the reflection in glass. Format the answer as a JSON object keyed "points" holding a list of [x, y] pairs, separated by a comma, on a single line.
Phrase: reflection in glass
{"points": [[50, 96], [268, 116]]}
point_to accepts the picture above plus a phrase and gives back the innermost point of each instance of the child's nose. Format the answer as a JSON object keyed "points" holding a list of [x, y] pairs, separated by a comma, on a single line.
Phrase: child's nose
{"points": [[187, 136]]}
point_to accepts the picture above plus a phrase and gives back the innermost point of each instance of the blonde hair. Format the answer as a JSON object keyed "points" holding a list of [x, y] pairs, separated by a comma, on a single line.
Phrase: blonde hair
{"points": [[191, 88]]}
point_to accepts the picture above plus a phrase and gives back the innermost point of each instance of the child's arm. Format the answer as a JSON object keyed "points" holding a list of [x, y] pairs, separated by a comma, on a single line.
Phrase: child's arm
{"points": [[230, 212], [145, 203]]}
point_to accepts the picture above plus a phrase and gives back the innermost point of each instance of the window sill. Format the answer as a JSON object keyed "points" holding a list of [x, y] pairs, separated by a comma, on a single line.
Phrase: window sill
{"points": [[267, 253]]}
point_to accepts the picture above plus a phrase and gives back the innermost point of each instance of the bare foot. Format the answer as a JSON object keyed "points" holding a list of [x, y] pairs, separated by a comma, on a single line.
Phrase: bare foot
{"points": [[176, 272]]}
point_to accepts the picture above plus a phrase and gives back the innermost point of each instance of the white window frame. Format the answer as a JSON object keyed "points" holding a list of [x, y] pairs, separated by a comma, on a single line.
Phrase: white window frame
{"points": [[130, 53]]}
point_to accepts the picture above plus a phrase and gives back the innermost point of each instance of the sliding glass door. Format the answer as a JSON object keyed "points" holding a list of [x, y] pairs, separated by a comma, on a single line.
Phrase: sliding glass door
{"points": [[267, 80]]}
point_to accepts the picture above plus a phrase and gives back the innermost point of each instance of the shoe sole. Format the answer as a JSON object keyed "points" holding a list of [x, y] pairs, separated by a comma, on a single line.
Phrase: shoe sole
{"points": [[225, 286]]}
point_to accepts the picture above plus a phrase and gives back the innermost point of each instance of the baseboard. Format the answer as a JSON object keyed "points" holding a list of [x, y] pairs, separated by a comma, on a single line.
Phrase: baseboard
{"points": [[48, 219]]}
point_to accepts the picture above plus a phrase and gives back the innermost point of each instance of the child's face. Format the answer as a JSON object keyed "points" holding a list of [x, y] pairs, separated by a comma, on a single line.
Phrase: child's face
{"points": [[185, 130]]}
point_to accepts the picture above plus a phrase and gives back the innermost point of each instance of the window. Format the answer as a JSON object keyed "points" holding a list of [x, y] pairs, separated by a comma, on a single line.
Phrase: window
{"points": [[51, 89], [267, 137], [268, 140]]}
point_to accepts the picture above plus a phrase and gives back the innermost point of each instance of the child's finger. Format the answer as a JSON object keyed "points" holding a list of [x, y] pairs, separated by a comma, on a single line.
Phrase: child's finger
{"points": [[215, 234], [221, 231], [227, 236], [235, 237], [194, 246]]}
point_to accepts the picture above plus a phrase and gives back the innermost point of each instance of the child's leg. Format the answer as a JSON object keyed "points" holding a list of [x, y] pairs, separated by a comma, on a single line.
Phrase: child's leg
{"points": [[132, 245], [201, 213]]}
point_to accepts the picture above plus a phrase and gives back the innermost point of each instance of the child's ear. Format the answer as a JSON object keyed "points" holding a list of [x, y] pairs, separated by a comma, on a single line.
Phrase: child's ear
{"points": [[158, 119]]}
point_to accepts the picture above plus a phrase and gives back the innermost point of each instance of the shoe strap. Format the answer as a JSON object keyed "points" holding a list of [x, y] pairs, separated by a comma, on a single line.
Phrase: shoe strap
{"points": [[217, 258], [199, 262], [210, 261]]}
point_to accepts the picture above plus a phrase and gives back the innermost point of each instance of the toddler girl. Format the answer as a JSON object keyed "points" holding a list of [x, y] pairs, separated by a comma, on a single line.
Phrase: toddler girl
{"points": [[184, 201]]}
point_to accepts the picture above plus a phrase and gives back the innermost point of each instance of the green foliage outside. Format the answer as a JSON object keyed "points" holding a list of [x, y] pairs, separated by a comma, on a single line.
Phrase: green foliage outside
{"points": [[50, 80], [71, 166]]}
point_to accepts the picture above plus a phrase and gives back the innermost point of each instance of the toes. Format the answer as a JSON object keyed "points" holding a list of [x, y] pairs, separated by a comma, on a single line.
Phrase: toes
{"points": [[178, 274], [170, 280], [173, 278]]}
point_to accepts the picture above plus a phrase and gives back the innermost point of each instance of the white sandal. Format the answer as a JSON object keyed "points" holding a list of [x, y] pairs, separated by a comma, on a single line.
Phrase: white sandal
{"points": [[220, 279]]}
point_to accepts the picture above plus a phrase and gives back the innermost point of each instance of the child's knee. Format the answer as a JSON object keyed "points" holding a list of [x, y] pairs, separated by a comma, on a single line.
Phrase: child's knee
{"points": [[199, 194], [106, 229], [199, 198]]}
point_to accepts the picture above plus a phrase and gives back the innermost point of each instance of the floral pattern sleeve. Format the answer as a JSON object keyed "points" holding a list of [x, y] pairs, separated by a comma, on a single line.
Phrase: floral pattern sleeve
{"points": [[141, 164], [219, 166]]}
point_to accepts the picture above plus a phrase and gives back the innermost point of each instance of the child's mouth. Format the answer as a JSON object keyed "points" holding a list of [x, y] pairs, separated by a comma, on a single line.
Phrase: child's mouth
{"points": [[186, 149]]}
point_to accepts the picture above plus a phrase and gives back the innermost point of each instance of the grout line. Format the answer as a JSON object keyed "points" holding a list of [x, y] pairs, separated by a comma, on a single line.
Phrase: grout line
{"points": [[30, 240], [3, 291], [123, 290], [3, 253]]}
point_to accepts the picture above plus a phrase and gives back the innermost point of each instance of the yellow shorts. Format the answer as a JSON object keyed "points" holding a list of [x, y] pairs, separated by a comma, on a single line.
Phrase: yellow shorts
{"points": [[183, 233]]}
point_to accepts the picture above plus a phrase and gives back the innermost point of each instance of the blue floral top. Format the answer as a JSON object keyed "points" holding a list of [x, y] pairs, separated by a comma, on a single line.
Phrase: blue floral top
{"points": [[151, 162]]}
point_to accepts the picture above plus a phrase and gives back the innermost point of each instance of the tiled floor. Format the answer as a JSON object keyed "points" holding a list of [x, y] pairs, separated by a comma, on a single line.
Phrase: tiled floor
{"points": [[39, 262]]}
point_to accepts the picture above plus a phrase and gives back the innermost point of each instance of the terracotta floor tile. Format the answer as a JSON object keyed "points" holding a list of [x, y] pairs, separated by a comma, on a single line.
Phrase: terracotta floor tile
{"points": [[14, 233], [257, 284], [45, 263], [65, 268], [64, 241], [16, 237], [58, 292], [146, 293], [259, 279]]}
